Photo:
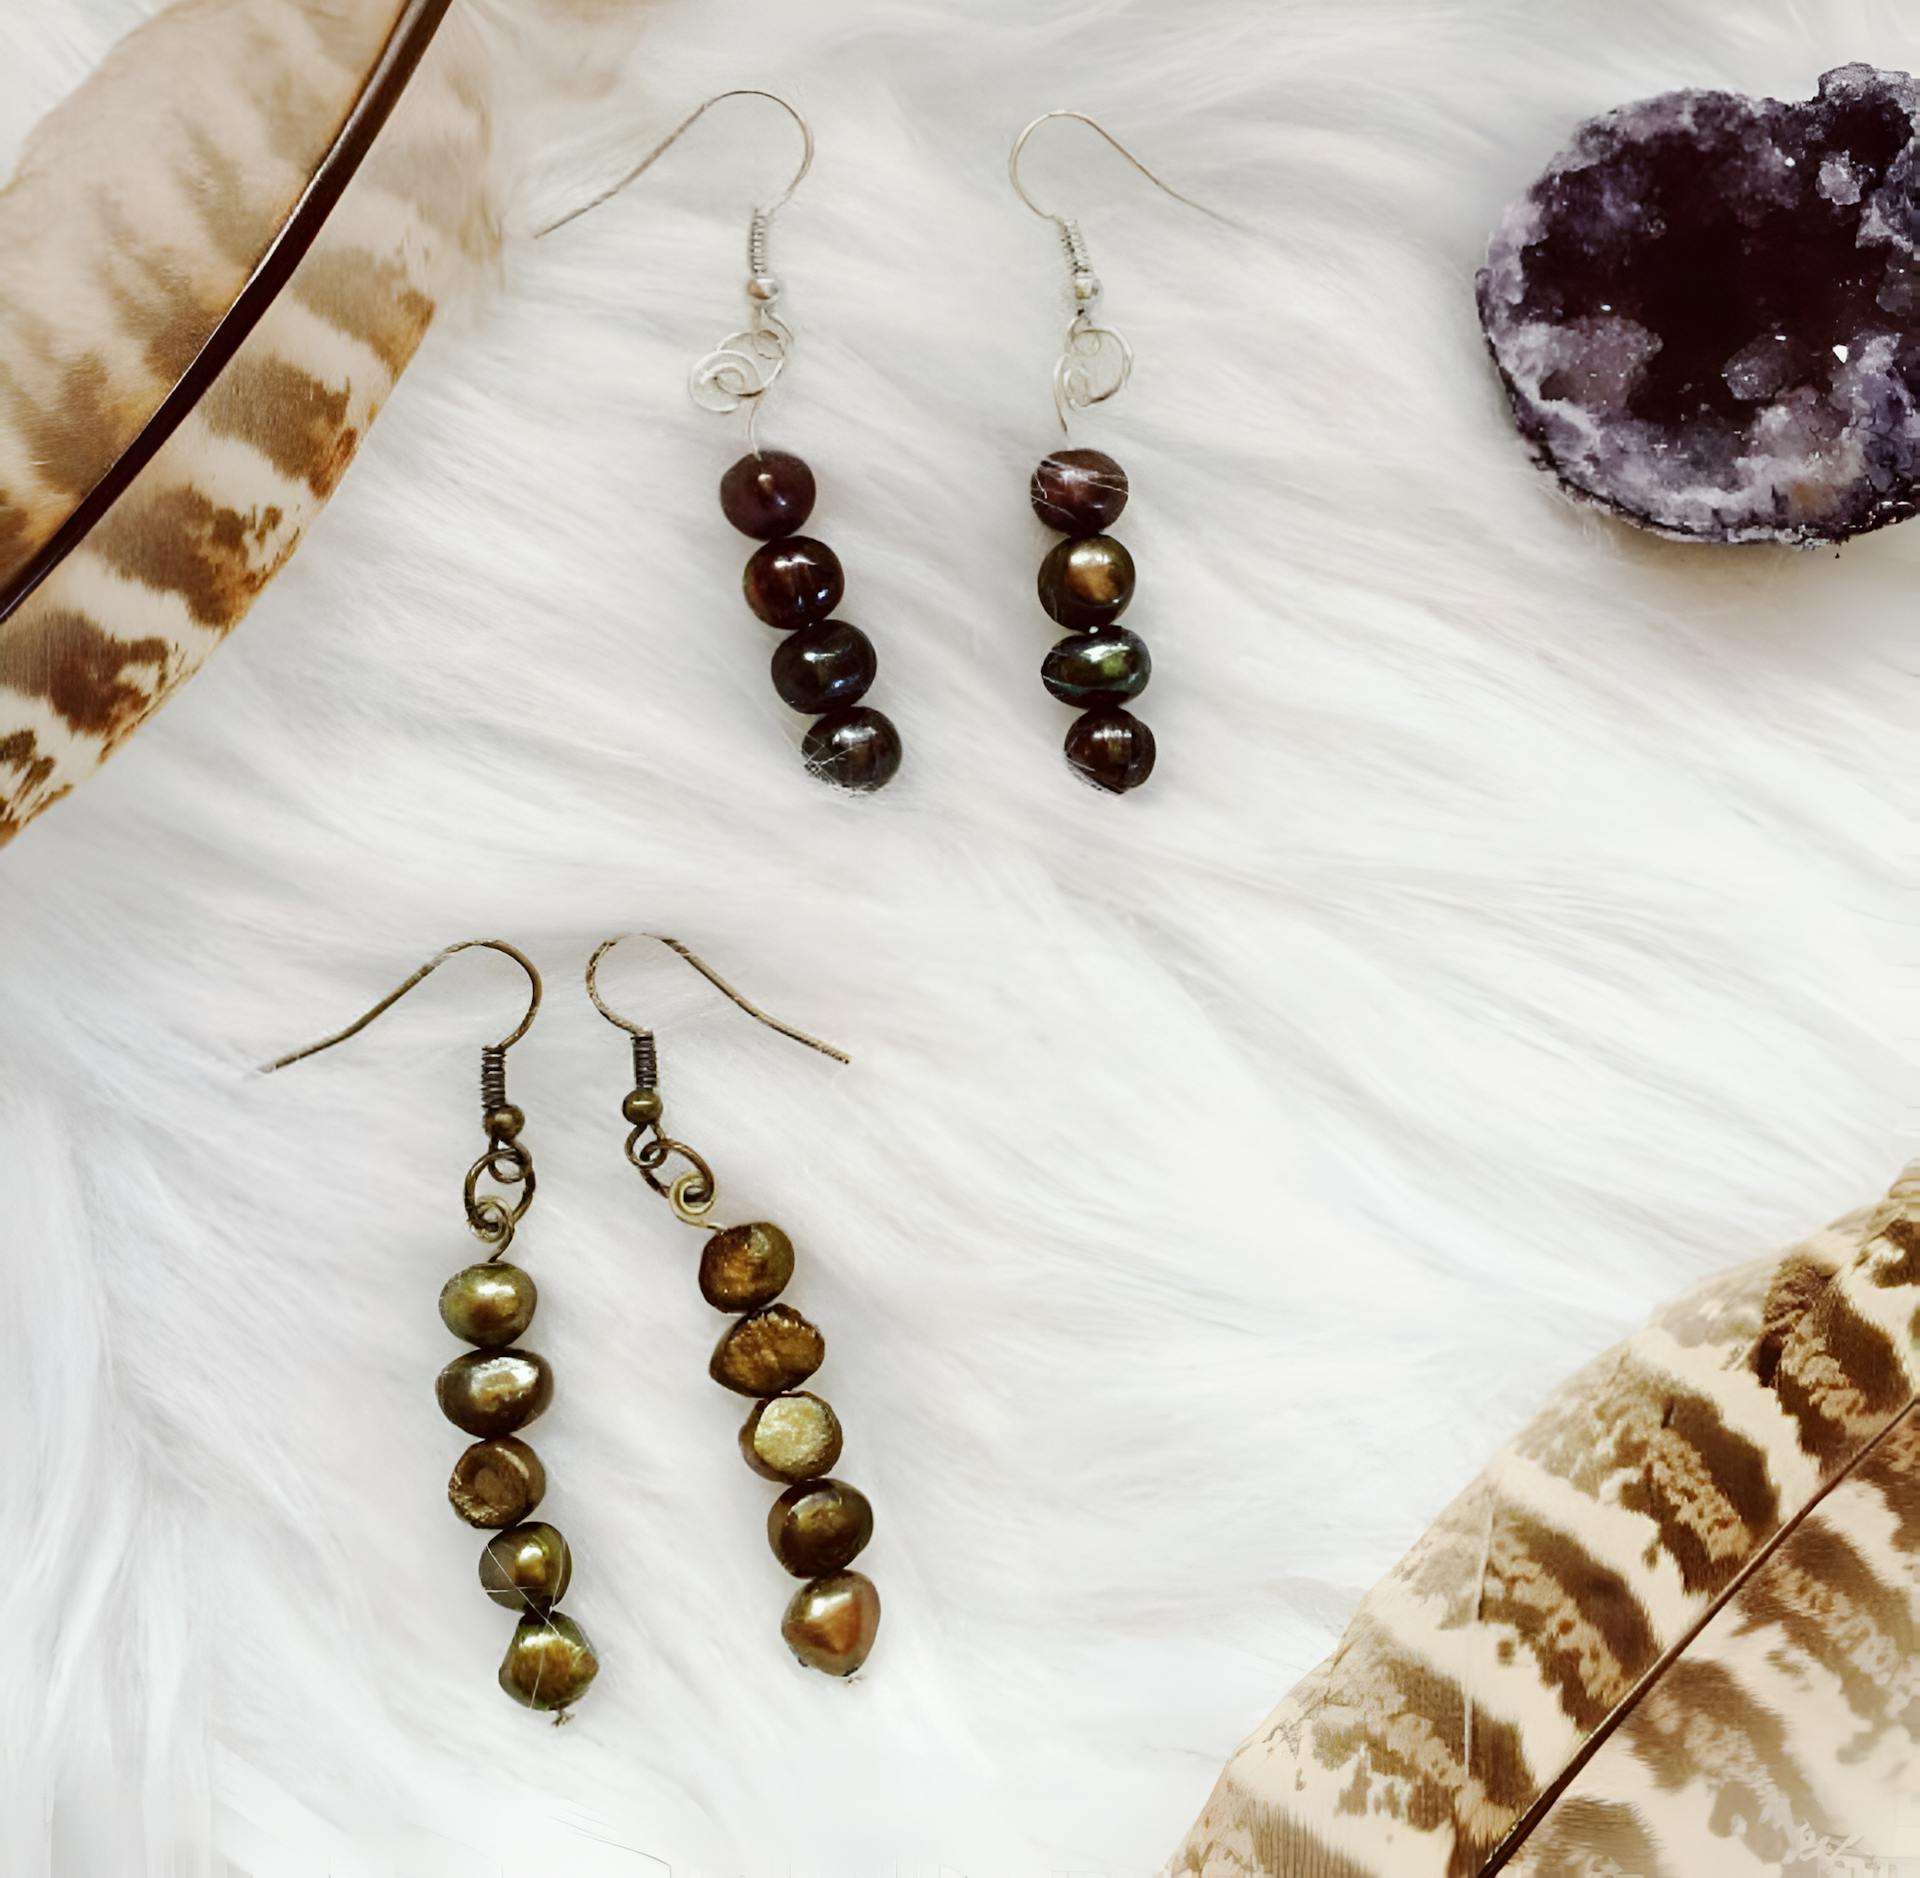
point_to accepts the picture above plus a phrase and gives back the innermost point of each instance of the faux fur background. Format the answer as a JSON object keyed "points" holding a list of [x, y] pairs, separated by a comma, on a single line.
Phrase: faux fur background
{"points": [[1521, 924]]}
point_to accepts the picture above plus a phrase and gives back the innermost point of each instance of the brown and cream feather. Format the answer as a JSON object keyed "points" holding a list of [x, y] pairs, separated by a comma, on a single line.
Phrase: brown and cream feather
{"points": [[1673, 1632], [224, 249]]}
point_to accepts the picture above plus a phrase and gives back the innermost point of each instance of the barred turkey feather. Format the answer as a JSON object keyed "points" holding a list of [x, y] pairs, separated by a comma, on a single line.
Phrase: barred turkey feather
{"points": [[1673, 1631], [224, 249]]}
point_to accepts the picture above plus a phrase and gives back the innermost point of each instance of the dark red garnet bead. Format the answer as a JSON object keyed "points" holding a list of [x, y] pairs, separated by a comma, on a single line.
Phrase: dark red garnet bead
{"points": [[1111, 748], [1079, 492], [768, 494], [793, 583]]}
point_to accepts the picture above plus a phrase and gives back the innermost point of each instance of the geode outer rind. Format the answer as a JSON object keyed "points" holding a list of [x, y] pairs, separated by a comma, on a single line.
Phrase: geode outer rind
{"points": [[1707, 312]]}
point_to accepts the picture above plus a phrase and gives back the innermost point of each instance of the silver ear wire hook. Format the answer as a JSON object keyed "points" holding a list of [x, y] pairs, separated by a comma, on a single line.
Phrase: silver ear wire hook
{"points": [[1096, 362], [741, 370]]}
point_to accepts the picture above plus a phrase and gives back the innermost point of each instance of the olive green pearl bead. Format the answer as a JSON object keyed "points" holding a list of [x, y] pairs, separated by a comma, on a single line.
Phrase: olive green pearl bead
{"points": [[493, 1392], [1098, 668], [744, 1267], [831, 1623], [497, 1483], [549, 1664], [768, 1353], [792, 1437], [527, 1569], [819, 1527], [642, 1107], [1087, 583], [490, 1305]]}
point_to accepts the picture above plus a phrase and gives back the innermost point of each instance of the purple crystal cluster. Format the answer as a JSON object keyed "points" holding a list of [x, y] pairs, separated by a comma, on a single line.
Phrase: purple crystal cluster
{"points": [[1707, 311]]}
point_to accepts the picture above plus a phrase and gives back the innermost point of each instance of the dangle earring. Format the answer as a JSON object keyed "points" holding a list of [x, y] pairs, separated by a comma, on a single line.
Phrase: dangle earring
{"points": [[1087, 580], [819, 1525], [823, 666], [493, 1390]]}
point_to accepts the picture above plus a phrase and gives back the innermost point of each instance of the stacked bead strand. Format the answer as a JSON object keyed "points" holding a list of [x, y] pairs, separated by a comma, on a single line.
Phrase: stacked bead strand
{"points": [[1086, 583], [819, 1525], [824, 666], [492, 1392]]}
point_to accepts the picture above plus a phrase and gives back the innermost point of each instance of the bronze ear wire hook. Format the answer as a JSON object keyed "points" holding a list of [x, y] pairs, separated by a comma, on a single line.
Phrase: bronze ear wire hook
{"points": [[507, 1161], [692, 1194]]}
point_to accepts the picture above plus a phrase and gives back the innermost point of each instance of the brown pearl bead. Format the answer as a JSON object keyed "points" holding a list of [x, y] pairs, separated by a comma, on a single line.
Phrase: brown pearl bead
{"points": [[819, 1527], [1111, 748], [493, 1392], [857, 748], [744, 1267], [793, 583], [768, 494], [490, 1305], [821, 668], [528, 1569], [1097, 668], [831, 1623], [1087, 583], [768, 1353], [1079, 492], [497, 1483], [792, 1437], [549, 1664]]}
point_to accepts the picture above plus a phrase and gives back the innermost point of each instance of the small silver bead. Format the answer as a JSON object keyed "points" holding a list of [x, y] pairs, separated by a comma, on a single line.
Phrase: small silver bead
{"points": [[1086, 288], [764, 288]]}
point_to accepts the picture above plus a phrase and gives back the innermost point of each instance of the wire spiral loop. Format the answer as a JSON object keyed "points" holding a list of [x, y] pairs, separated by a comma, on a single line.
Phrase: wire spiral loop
{"points": [[1094, 366]]}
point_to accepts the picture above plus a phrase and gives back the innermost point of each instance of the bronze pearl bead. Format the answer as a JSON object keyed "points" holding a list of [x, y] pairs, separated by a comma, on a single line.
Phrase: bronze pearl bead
{"points": [[549, 1663], [1079, 492], [744, 1267], [1112, 749], [793, 583], [856, 747], [819, 1527], [527, 1569], [490, 1305], [831, 1623], [768, 1353], [493, 1392], [497, 1483], [791, 1437], [1087, 583]]}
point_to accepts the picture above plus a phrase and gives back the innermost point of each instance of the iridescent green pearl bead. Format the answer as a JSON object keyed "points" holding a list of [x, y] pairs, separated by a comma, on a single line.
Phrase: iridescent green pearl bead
{"points": [[549, 1663], [493, 1392], [831, 1623], [527, 1568], [768, 1353], [497, 1483], [490, 1304], [744, 1267], [1087, 583], [819, 1527], [792, 1437], [1107, 666]]}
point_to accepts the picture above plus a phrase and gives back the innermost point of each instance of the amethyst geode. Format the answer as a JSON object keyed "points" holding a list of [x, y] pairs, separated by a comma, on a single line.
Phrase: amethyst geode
{"points": [[1707, 311]]}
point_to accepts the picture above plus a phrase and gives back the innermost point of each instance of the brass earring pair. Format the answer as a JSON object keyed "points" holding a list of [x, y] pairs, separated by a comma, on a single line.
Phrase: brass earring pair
{"points": [[493, 1390], [824, 666]]}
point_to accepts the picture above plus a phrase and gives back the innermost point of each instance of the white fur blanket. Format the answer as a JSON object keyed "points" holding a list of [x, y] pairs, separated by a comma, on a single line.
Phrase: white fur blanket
{"points": [[1520, 925]]}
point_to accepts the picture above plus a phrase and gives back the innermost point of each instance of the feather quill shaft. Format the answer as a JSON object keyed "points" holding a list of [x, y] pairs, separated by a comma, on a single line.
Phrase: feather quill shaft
{"points": [[1692, 1643], [245, 221]]}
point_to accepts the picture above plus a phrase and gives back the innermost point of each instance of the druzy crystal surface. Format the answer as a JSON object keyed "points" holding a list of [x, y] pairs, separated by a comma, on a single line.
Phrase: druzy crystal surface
{"points": [[1707, 311]]}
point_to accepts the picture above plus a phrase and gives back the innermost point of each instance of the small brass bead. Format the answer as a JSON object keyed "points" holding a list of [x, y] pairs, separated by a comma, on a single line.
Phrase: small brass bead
{"points": [[497, 1483], [744, 1267], [831, 1623], [505, 1123], [792, 1437], [642, 1107], [819, 1527], [493, 1392], [768, 1353], [488, 1304], [527, 1569], [549, 1664]]}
